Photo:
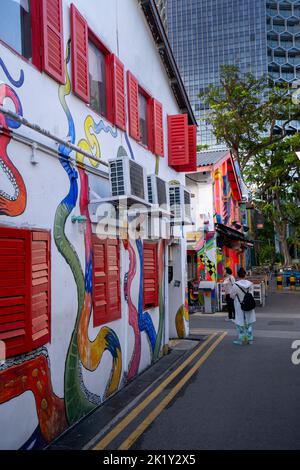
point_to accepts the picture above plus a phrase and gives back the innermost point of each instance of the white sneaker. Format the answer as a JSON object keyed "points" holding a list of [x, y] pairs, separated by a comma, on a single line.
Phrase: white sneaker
{"points": [[227, 319]]}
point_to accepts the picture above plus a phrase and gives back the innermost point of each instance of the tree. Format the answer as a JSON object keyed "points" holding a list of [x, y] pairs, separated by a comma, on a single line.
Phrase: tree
{"points": [[274, 173], [244, 114]]}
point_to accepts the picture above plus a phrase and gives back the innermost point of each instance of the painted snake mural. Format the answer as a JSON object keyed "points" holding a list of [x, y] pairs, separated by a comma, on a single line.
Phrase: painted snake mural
{"points": [[132, 313], [182, 315], [91, 351], [82, 351], [29, 372], [161, 300], [10, 205], [32, 373]]}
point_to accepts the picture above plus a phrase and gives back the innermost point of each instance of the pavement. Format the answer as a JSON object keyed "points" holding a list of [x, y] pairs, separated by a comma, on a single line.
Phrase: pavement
{"points": [[208, 393]]}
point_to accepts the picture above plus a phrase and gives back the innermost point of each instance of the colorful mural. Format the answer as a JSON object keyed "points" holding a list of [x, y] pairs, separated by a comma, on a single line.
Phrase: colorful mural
{"points": [[33, 371], [206, 264], [220, 264], [30, 372], [182, 316], [82, 366], [11, 205]]}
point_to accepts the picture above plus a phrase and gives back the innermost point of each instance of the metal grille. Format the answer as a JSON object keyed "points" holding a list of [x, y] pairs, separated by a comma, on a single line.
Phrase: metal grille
{"points": [[117, 178], [136, 180], [175, 201], [161, 191], [187, 204], [150, 195]]}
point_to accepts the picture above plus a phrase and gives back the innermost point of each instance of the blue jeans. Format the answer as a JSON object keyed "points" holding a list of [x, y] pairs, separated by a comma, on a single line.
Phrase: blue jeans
{"points": [[245, 333]]}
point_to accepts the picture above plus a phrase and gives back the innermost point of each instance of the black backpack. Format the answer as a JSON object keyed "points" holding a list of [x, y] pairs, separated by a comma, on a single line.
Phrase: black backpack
{"points": [[248, 302]]}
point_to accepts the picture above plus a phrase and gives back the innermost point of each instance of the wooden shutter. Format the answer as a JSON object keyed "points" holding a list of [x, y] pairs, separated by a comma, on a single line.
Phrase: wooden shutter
{"points": [[158, 131], [80, 55], [100, 308], [53, 39], [40, 288], [106, 281], [24, 289], [150, 278], [14, 290], [113, 276], [178, 141], [133, 106], [192, 164], [118, 84]]}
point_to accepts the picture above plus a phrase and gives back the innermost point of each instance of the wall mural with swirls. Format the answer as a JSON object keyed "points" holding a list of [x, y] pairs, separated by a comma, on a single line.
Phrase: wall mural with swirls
{"points": [[58, 407]]}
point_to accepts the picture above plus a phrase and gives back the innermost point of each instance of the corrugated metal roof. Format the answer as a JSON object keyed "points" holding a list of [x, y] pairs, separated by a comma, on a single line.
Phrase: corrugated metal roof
{"points": [[210, 158]]}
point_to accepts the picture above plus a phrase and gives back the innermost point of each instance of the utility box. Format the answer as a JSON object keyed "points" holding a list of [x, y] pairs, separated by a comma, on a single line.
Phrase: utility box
{"points": [[207, 288]]}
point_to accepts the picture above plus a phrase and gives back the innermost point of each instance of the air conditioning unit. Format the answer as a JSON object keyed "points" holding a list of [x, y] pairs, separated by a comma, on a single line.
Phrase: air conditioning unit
{"points": [[180, 203], [158, 191], [128, 178]]}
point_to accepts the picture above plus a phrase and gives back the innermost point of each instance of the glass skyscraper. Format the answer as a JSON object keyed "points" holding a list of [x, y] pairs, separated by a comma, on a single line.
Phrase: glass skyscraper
{"points": [[261, 36]]}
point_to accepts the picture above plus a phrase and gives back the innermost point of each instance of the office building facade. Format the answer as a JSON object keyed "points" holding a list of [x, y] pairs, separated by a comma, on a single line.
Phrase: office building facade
{"points": [[261, 36]]}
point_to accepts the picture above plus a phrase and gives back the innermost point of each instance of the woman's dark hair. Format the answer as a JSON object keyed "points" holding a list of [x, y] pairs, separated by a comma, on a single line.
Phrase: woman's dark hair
{"points": [[241, 273], [228, 270]]}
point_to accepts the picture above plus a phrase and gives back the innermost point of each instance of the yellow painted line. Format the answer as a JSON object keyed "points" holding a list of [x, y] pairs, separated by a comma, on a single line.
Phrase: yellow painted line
{"points": [[137, 410], [160, 407]]}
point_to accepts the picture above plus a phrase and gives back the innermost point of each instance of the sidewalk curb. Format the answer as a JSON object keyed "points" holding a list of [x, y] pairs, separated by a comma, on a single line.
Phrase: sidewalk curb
{"points": [[86, 432]]}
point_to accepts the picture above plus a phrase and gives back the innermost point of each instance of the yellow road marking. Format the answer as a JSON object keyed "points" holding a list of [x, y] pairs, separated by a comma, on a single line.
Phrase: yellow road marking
{"points": [[134, 413], [159, 408]]}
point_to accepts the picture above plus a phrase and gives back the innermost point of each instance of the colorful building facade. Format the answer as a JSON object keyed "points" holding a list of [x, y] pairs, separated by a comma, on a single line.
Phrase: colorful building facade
{"points": [[220, 221], [80, 316]]}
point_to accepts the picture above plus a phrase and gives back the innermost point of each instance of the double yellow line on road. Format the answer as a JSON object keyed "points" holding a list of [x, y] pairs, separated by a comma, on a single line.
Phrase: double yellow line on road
{"points": [[128, 442]]}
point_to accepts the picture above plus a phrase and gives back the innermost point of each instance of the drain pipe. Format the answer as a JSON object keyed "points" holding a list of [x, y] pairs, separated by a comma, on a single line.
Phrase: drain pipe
{"points": [[48, 134]]}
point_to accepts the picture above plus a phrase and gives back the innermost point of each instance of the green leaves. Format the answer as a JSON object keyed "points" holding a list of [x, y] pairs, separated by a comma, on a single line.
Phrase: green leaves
{"points": [[244, 114]]}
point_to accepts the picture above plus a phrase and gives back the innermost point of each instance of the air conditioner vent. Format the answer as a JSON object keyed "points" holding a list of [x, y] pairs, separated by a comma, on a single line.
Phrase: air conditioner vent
{"points": [[117, 178], [150, 193], [175, 201], [161, 192], [127, 178], [136, 179], [158, 191], [180, 202], [187, 204]]}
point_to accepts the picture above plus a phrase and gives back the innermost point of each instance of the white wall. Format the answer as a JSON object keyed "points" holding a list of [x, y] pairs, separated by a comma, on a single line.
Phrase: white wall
{"points": [[121, 25], [203, 201]]}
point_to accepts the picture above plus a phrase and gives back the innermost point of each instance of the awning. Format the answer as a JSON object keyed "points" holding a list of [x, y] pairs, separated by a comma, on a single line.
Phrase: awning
{"points": [[233, 235]]}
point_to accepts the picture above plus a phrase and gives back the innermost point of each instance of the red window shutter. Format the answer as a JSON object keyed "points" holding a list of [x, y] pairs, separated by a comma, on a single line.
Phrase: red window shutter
{"points": [[100, 307], [192, 164], [53, 39], [24, 289], [150, 278], [178, 141], [40, 288], [113, 276], [118, 84], [80, 55], [106, 281], [14, 290], [133, 106], [158, 130]]}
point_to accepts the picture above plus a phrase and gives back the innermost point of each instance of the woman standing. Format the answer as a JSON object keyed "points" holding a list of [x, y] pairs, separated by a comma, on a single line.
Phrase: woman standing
{"points": [[243, 319], [229, 281]]}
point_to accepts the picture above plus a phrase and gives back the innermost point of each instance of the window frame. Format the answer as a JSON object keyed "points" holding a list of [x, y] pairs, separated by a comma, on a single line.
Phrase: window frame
{"points": [[149, 98], [35, 271], [155, 275], [36, 37], [99, 320], [96, 41]]}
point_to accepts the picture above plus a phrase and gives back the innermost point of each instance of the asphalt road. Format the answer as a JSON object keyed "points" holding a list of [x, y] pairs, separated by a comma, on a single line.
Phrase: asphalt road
{"points": [[241, 397]]}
